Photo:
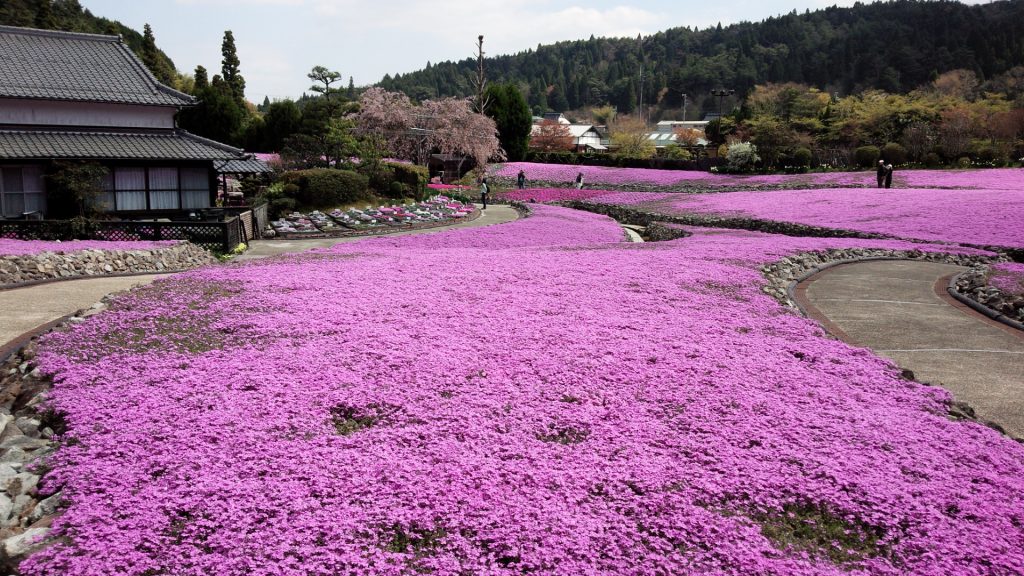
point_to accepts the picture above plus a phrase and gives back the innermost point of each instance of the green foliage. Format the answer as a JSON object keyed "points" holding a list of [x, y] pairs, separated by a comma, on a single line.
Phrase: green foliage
{"points": [[801, 157], [321, 75], [280, 199], [893, 153], [866, 156], [846, 48], [932, 160], [742, 157], [74, 189], [217, 116], [282, 119], [229, 69], [412, 178], [512, 115], [818, 531], [160, 67], [964, 162], [320, 188], [677, 152]]}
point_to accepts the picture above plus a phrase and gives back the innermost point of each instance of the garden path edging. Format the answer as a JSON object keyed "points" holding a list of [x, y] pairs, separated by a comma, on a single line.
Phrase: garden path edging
{"points": [[978, 306]]}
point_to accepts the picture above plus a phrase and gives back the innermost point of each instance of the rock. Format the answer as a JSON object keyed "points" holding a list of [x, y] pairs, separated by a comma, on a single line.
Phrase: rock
{"points": [[6, 508], [45, 507], [19, 546]]}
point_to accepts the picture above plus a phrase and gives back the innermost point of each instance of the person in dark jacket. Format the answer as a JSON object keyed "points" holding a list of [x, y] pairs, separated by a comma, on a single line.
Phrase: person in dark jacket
{"points": [[521, 180], [881, 173], [579, 181], [888, 175]]}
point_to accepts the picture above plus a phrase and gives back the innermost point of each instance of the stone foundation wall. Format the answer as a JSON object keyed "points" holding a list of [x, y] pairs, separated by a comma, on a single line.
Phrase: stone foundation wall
{"points": [[21, 269]]}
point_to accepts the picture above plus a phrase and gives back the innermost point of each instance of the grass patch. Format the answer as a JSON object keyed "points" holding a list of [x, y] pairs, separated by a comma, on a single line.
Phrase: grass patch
{"points": [[816, 530]]}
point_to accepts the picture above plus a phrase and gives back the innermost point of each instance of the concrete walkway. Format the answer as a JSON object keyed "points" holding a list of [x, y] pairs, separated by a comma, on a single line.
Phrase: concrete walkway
{"points": [[25, 310], [494, 214], [901, 310]]}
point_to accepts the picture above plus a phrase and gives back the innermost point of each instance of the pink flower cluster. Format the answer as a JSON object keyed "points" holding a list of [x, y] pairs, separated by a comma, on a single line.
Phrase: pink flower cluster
{"points": [[529, 398], [978, 217], [1008, 277], [596, 196], [10, 247], [991, 179]]}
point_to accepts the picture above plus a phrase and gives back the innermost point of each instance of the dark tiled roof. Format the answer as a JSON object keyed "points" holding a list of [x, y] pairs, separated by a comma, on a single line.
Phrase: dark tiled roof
{"points": [[43, 64], [247, 166], [54, 144]]}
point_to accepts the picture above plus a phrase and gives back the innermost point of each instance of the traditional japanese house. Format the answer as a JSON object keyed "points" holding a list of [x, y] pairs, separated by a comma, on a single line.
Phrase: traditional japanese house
{"points": [[71, 96]]}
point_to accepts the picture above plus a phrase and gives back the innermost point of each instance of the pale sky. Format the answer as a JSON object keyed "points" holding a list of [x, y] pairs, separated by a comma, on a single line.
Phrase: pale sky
{"points": [[279, 41]]}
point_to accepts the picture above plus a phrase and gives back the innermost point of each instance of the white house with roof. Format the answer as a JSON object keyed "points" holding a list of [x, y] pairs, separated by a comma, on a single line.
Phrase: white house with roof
{"points": [[71, 96], [666, 132]]}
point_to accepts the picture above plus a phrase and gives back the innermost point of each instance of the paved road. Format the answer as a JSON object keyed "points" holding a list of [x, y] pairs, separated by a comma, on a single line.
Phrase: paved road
{"points": [[494, 214], [901, 310]]}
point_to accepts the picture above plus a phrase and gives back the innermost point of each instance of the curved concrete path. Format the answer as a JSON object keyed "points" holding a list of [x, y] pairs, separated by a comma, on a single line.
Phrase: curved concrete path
{"points": [[34, 309], [24, 311], [901, 310]]}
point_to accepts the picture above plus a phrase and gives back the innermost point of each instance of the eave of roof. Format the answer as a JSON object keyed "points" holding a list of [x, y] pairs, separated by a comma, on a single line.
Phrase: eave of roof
{"points": [[112, 145]]}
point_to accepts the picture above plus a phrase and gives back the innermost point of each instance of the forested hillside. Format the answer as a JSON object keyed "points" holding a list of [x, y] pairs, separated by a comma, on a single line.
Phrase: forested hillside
{"points": [[70, 16], [893, 46]]}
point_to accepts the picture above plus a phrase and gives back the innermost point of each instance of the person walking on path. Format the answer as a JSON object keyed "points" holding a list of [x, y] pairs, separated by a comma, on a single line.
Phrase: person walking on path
{"points": [[888, 175], [521, 180], [484, 191], [881, 173], [579, 181]]}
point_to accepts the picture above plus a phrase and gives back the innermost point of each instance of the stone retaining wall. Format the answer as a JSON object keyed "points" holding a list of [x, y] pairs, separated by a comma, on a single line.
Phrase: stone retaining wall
{"points": [[974, 285], [27, 437], [21, 269]]}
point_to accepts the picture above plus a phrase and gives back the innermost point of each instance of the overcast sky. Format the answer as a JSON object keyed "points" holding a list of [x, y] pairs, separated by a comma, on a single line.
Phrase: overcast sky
{"points": [[280, 40]]}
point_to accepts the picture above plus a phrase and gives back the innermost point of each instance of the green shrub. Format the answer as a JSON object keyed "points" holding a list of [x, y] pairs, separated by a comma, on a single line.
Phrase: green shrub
{"points": [[742, 156], [320, 188], [413, 178], [802, 157], [866, 156], [964, 162], [893, 153], [932, 160]]}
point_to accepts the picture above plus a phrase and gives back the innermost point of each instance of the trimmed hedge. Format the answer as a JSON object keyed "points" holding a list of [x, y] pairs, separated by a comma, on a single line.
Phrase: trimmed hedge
{"points": [[411, 178], [320, 188]]}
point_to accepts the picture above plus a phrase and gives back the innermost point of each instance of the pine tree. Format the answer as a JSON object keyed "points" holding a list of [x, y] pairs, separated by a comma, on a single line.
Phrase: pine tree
{"points": [[229, 69], [202, 80], [351, 94], [45, 18], [151, 57]]}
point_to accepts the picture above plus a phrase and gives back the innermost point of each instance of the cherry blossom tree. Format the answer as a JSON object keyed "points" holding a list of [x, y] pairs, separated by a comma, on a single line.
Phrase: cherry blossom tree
{"points": [[550, 136]]}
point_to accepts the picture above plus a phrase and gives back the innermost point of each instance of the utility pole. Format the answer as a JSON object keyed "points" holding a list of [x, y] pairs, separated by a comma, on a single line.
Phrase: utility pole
{"points": [[481, 78], [640, 44], [684, 107], [721, 93]]}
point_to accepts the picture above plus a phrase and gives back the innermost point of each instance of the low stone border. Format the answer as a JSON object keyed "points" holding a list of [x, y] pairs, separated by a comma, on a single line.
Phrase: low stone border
{"points": [[785, 274], [642, 218], [346, 233], [17, 271], [972, 288]]}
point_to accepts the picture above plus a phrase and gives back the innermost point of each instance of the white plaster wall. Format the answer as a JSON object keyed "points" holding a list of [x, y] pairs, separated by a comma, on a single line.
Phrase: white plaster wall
{"points": [[49, 113]]}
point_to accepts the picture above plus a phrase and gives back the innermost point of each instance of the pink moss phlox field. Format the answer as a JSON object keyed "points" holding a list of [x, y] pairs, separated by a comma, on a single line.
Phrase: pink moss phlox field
{"points": [[10, 247], [979, 217], [990, 179], [1008, 277], [525, 398], [595, 196]]}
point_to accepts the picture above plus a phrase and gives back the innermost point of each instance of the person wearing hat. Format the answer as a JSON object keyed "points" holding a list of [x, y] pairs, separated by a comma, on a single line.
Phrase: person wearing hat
{"points": [[881, 172]]}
